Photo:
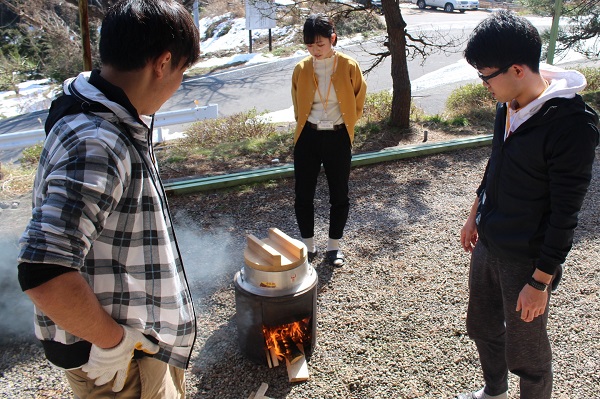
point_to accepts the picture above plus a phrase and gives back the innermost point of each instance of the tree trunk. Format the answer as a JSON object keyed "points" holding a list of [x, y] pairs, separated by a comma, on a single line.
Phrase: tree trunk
{"points": [[396, 26]]}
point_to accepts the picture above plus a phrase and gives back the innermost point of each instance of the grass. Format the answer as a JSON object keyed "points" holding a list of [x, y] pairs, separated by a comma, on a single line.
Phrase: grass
{"points": [[15, 180], [592, 75], [236, 142], [286, 51], [591, 95]]}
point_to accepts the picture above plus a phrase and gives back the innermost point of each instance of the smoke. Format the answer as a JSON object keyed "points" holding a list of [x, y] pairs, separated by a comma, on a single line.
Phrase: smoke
{"points": [[210, 258], [16, 310]]}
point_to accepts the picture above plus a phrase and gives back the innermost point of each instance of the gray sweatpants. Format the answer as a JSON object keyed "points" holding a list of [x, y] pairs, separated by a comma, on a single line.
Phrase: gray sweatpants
{"points": [[503, 340]]}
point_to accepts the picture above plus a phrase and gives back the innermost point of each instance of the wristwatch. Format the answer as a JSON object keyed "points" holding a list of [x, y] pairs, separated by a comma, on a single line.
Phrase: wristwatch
{"points": [[537, 285]]}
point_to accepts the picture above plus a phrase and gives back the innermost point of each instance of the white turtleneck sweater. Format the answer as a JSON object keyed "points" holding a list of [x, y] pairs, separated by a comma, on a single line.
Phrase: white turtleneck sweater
{"points": [[323, 70]]}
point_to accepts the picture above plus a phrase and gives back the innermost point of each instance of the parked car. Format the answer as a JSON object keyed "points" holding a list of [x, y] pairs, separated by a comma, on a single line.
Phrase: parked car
{"points": [[376, 4], [448, 5]]}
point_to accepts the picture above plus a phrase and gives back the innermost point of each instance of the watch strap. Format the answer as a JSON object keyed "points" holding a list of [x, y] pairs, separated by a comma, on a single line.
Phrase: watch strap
{"points": [[538, 285]]}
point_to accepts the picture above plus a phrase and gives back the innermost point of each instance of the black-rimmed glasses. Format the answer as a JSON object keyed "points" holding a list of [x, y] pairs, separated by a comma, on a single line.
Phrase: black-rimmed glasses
{"points": [[493, 75]]}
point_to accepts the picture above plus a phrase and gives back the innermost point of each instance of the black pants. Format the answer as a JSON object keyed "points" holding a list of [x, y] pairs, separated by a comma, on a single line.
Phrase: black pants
{"points": [[504, 341], [333, 150]]}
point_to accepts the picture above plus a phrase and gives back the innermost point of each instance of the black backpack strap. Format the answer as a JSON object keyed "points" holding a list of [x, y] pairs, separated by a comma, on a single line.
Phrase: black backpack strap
{"points": [[69, 105]]}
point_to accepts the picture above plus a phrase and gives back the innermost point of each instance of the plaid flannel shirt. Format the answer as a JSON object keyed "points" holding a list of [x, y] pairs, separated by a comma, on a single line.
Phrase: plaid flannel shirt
{"points": [[99, 207]]}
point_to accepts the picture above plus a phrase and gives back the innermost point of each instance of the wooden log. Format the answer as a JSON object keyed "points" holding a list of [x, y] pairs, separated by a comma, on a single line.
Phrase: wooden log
{"points": [[265, 251], [260, 393], [299, 370], [278, 252], [294, 247], [274, 358], [268, 356], [292, 352]]}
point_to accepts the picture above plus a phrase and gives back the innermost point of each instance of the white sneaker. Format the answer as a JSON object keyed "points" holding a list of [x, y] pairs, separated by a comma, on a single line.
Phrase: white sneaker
{"points": [[481, 395]]}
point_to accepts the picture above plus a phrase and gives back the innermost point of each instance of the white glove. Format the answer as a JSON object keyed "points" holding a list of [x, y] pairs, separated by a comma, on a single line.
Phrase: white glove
{"points": [[103, 364]]}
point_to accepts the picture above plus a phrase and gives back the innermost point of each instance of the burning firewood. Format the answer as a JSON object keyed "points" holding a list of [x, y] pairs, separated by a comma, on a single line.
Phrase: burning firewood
{"points": [[268, 357], [298, 371], [283, 341], [272, 358], [292, 353]]}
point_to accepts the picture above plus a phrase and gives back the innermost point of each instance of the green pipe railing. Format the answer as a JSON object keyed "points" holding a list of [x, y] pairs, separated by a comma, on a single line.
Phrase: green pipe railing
{"points": [[188, 186]]}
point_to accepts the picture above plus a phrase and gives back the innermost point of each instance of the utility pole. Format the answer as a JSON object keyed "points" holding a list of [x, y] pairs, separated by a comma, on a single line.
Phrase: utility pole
{"points": [[196, 14], [554, 31], [85, 35]]}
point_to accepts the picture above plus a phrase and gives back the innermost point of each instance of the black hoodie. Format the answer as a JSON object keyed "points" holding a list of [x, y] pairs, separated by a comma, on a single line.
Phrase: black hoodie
{"points": [[535, 182]]}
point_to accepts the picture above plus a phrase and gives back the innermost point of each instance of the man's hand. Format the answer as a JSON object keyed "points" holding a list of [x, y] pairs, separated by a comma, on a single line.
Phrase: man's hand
{"points": [[103, 364], [468, 234], [531, 303]]}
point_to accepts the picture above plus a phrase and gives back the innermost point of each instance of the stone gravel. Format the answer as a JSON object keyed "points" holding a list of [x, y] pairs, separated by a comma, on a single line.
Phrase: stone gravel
{"points": [[391, 322]]}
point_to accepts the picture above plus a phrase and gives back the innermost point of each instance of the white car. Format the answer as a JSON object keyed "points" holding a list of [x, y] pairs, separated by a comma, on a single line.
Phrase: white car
{"points": [[376, 4], [448, 5]]}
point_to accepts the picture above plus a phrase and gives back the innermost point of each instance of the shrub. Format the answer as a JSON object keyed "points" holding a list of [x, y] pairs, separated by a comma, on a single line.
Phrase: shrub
{"points": [[357, 22], [473, 95], [15, 180], [471, 104], [218, 7], [378, 106], [31, 155], [241, 126], [62, 53], [14, 69], [219, 27], [592, 75]]}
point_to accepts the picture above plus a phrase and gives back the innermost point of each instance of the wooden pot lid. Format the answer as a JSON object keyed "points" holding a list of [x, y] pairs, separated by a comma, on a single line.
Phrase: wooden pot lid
{"points": [[276, 253]]}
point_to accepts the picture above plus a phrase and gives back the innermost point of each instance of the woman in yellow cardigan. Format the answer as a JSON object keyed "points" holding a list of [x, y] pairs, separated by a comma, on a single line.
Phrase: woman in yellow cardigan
{"points": [[328, 92]]}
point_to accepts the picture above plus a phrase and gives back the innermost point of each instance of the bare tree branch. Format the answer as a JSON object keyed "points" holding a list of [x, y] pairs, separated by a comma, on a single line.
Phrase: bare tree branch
{"points": [[21, 13]]}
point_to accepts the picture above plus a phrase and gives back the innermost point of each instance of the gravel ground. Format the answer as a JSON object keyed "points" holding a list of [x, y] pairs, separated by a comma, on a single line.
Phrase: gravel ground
{"points": [[391, 322]]}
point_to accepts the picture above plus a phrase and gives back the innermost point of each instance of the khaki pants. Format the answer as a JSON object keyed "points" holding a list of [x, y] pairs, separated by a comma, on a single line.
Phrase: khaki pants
{"points": [[147, 378]]}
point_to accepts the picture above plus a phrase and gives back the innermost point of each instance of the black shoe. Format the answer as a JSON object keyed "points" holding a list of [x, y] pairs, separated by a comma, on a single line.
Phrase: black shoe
{"points": [[312, 256], [335, 258]]}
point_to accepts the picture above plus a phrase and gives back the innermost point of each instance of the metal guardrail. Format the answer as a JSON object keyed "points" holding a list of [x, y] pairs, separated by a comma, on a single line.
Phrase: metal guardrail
{"points": [[187, 186], [13, 141], [182, 116], [24, 139]]}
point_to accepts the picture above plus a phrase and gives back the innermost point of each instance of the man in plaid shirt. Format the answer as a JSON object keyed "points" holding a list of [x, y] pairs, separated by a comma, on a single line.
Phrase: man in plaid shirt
{"points": [[99, 258]]}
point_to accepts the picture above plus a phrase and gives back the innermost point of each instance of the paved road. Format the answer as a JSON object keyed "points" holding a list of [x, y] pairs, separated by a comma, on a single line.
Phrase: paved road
{"points": [[266, 87]]}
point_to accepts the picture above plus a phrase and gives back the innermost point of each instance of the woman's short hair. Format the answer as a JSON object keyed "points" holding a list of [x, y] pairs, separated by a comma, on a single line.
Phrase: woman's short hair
{"points": [[318, 25]]}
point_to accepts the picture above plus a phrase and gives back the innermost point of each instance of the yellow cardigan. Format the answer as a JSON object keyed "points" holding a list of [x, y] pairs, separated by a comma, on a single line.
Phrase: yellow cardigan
{"points": [[350, 89]]}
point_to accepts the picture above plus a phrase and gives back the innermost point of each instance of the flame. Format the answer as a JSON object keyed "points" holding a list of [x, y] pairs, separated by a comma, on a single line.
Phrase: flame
{"points": [[281, 337]]}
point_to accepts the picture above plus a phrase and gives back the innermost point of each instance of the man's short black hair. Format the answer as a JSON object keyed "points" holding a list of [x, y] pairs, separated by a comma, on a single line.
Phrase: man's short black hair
{"points": [[135, 32], [504, 38], [318, 25]]}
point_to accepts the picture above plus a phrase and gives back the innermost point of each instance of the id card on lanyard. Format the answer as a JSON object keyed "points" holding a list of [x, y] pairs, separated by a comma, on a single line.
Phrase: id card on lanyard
{"points": [[325, 123]]}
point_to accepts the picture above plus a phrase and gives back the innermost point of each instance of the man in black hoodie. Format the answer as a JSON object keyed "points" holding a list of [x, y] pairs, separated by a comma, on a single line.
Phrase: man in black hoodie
{"points": [[520, 228]]}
